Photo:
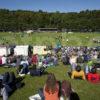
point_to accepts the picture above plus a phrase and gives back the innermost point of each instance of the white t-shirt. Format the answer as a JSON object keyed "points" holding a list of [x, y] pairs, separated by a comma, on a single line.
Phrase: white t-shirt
{"points": [[24, 62], [73, 59]]}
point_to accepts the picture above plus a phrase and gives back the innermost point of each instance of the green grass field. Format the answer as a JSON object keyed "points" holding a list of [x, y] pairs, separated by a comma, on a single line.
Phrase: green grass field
{"points": [[75, 39], [85, 90]]}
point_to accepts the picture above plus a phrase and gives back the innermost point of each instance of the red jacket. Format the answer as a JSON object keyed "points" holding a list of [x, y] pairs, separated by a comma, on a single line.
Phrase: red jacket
{"points": [[94, 78], [34, 59]]}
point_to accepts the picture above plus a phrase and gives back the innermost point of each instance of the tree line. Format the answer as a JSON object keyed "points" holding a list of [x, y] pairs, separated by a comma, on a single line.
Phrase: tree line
{"points": [[21, 20]]}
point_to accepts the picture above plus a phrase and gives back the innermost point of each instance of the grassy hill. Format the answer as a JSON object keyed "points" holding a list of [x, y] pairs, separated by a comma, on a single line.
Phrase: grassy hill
{"points": [[85, 90]]}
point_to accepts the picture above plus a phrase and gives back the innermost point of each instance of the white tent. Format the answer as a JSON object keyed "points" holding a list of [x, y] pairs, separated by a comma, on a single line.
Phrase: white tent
{"points": [[3, 51], [41, 50], [21, 50]]}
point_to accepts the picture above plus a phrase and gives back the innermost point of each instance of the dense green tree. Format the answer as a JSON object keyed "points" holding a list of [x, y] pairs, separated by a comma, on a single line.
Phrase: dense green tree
{"points": [[21, 20]]}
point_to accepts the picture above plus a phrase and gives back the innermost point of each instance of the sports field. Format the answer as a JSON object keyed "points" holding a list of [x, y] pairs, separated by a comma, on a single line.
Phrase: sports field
{"points": [[85, 90]]}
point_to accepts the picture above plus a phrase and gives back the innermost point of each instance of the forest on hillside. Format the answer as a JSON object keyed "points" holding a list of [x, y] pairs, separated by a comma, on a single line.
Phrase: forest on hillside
{"points": [[21, 20]]}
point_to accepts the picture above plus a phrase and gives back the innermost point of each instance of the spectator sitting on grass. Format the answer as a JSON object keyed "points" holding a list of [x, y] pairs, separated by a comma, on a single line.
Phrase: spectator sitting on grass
{"points": [[67, 93], [23, 68], [55, 60], [51, 88], [90, 64], [93, 76], [86, 69], [65, 90], [77, 73], [73, 59]]}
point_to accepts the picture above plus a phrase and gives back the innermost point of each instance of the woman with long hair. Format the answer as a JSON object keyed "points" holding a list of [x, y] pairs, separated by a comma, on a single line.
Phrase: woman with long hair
{"points": [[67, 93], [51, 88], [66, 89]]}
